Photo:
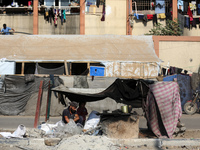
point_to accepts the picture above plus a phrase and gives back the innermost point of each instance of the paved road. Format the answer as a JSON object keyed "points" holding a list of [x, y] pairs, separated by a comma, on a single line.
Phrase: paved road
{"points": [[12, 122]]}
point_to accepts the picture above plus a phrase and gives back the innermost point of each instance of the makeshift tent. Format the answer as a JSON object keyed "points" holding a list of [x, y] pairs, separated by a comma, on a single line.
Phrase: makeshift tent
{"points": [[163, 108], [127, 91]]}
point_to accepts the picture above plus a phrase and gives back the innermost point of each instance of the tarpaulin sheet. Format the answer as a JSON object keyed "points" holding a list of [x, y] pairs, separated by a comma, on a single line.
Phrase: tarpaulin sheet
{"points": [[184, 85], [185, 88], [16, 92], [163, 108], [42, 70], [127, 91], [7, 67]]}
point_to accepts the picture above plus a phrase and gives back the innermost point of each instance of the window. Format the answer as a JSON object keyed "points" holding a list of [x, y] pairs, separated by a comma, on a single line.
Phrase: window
{"points": [[49, 2], [79, 69], [143, 5]]}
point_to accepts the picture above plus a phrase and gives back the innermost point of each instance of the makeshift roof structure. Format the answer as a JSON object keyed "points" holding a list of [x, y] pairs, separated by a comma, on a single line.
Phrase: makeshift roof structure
{"points": [[121, 48]]}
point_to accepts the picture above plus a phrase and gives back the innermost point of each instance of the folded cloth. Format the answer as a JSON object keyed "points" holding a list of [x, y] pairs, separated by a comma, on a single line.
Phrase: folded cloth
{"points": [[150, 16], [161, 16]]}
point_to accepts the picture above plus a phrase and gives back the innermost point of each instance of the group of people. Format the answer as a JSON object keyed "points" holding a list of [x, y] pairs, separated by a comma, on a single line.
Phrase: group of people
{"points": [[6, 30], [78, 115]]}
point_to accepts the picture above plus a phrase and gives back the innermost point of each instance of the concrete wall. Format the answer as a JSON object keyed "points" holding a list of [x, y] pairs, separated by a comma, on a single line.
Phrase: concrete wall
{"points": [[139, 28], [115, 20], [24, 23], [192, 32], [181, 54]]}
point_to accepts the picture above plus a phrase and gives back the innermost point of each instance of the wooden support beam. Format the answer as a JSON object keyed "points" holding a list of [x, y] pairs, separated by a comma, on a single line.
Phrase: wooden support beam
{"points": [[88, 66], [66, 68], [70, 68], [37, 112], [35, 17], [82, 17], [22, 69]]}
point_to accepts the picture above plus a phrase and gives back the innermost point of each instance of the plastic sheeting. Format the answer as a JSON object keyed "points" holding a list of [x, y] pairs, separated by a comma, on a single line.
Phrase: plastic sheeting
{"points": [[7, 67], [127, 91], [18, 133], [15, 93], [42, 70]]}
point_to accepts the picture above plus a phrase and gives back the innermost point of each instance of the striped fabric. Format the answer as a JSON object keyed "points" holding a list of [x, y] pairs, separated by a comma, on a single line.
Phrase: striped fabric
{"points": [[163, 108]]}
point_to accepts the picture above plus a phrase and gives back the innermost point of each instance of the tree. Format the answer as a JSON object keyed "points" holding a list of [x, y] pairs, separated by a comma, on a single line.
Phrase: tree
{"points": [[172, 28]]}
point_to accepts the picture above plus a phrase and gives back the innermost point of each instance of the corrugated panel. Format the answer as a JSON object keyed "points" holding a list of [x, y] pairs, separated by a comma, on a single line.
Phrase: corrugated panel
{"points": [[121, 48]]}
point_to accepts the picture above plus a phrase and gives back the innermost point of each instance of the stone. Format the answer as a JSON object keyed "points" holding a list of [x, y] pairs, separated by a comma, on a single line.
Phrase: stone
{"points": [[52, 141]]}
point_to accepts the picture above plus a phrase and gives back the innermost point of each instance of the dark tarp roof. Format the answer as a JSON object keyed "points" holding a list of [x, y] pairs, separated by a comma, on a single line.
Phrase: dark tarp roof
{"points": [[127, 91]]}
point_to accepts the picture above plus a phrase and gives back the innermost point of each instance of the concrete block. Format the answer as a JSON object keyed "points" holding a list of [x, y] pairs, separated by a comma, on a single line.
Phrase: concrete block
{"points": [[14, 141]]}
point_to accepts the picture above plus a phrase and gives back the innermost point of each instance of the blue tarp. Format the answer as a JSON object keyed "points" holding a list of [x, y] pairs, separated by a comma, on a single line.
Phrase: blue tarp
{"points": [[169, 78]]}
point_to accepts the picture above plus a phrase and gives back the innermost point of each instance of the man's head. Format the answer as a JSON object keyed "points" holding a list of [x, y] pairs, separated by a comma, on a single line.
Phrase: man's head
{"points": [[73, 106], [4, 26], [82, 104]]}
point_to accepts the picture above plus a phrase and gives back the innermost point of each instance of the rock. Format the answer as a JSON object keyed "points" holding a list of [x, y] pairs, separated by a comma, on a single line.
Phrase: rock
{"points": [[52, 141]]}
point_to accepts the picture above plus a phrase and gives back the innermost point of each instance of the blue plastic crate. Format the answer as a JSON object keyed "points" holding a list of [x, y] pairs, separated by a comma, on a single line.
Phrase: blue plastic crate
{"points": [[96, 71]]}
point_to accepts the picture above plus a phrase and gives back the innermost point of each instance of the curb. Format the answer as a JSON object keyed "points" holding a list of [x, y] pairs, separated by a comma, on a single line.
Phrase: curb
{"points": [[14, 141], [157, 142], [128, 142]]}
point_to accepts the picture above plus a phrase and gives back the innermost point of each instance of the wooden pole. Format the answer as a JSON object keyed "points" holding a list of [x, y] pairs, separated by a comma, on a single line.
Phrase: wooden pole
{"points": [[174, 10], [22, 70], [82, 17], [66, 68], [37, 112], [35, 17]]}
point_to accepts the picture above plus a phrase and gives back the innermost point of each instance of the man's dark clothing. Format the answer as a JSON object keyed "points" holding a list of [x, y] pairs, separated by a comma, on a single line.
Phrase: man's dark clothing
{"points": [[66, 112]]}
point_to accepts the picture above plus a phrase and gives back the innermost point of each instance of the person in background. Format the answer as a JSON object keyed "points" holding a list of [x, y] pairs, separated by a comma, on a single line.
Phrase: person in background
{"points": [[6, 30], [82, 111], [71, 113]]}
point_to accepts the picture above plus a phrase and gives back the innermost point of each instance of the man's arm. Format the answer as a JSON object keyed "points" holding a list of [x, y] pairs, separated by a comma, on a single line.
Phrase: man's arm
{"points": [[13, 30], [76, 117], [66, 119]]}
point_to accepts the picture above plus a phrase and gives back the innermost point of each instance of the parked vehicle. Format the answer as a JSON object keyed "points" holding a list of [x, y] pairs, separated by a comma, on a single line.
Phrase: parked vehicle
{"points": [[191, 107]]}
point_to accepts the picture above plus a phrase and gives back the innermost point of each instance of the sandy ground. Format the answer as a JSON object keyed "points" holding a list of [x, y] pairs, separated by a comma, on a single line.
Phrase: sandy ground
{"points": [[87, 142]]}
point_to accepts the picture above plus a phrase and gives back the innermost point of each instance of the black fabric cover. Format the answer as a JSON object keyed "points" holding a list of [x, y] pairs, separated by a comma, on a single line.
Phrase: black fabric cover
{"points": [[15, 92], [127, 91]]}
